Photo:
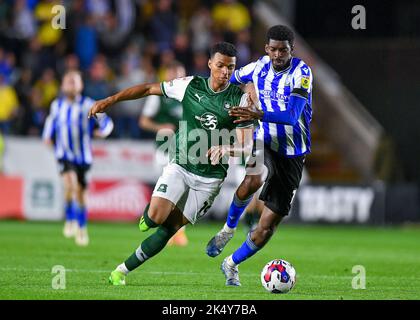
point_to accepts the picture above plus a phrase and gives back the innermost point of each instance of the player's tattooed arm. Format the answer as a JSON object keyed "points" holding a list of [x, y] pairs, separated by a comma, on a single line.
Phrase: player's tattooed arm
{"points": [[132, 93]]}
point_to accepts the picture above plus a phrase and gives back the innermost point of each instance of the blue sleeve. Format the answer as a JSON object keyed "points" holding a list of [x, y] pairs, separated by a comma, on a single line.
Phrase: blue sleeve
{"points": [[244, 74], [291, 115], [50, 125], [105, 125]]}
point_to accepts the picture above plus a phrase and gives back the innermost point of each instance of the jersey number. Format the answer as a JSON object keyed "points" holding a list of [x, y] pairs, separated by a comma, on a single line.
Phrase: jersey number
{"points": [[206, 206]]}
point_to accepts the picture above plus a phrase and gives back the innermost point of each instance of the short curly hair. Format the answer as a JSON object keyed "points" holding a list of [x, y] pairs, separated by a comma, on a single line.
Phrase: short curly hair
{"points": [[224, 48], [281, 33]]}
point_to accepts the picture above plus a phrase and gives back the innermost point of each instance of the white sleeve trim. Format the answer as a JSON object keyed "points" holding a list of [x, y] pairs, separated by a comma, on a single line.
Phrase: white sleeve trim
{"points": [[176, 88]]}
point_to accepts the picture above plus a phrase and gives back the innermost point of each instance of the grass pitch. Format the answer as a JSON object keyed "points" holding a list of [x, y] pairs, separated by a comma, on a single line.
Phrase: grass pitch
{"points": [[324, 257]]}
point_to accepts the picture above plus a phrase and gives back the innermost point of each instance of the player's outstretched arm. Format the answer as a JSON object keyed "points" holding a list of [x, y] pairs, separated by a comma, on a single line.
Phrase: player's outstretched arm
{"points": [[289, 117], [132, 93]]}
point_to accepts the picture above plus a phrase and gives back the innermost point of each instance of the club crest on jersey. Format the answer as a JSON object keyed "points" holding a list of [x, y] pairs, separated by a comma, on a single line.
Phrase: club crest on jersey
{"points": [[162, 188], [227, 106], [208, 120]]}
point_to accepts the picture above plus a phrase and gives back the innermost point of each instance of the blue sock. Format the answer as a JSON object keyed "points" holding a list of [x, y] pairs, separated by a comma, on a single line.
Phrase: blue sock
{"points": [[69, 209], [248, 249], [236, 209], [81, 216]]}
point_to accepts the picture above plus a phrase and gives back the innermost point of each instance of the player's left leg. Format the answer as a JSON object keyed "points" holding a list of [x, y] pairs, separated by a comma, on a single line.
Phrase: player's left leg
{"points": [[150, 247], [69, 183], [168, 190], [256, 239], [278, 193], [82, 237]]}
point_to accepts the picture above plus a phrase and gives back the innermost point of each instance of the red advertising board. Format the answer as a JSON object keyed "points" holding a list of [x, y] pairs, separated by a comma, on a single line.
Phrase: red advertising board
{"points": [[117, 199], [11, 197]]}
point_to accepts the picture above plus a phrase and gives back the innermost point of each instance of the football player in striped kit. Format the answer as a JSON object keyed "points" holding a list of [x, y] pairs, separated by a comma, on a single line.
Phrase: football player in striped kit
{"points": [[283, 86], [69, 129]]}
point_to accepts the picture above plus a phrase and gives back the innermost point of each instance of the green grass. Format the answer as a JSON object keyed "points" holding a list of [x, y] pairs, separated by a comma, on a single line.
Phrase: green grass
{"points": [[322, 255]]}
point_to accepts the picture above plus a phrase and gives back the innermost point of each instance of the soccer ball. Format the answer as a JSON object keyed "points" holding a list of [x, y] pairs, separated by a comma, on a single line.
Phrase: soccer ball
{"points": [[278, 276]]}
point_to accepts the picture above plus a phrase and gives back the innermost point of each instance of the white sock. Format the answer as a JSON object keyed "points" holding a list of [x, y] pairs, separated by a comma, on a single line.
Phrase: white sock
{"points": [[122, 268], [228, 229], [230, 261]]}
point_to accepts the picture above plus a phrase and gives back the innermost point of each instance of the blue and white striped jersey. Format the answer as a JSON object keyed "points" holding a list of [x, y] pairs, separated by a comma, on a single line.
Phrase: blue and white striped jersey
{"points": [[273, 90], [68, 125]]}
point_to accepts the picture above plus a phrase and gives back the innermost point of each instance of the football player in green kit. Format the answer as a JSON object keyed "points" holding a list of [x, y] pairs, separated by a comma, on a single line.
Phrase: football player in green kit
{"points": [[191, 181]]}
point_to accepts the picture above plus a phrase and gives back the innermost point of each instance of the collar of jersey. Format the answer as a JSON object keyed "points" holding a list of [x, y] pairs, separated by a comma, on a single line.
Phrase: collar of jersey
{"points": [[211, 90], [76, 100], [282, 71]]}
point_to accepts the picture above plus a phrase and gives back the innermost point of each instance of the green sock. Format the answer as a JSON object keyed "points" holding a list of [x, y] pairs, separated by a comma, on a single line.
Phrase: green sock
{"points": [[149, 247], [157, 241]]}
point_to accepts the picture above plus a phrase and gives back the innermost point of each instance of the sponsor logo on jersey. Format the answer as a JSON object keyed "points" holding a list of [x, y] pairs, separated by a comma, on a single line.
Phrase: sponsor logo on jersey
{"points": [[208, 120], [305, 70], [198, 97], [273, 95], [305, 82]]}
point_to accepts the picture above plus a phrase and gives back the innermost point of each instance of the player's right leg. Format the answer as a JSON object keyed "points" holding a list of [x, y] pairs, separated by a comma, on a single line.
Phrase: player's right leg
{"points": [[241, 199], [150, 247], [253, 211]]}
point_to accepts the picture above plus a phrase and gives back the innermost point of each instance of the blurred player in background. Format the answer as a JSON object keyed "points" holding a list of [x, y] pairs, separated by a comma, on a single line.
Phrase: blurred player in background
{"points": [[70, 131], [190, 182], [283, 84], [162, 115]]}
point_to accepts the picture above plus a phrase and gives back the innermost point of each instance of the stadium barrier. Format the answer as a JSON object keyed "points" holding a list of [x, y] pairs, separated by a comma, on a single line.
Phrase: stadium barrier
{"points": [[123, 176]]}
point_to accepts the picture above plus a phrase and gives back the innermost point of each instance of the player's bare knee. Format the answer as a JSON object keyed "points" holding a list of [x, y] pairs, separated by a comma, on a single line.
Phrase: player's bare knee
{"points": [[80, 198], [157, 215], [249, 186], [68, 192], [256, 183]]}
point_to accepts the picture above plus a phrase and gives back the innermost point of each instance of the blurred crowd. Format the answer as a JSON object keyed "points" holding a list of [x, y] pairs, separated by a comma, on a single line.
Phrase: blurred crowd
{"points": [[115, 43]]}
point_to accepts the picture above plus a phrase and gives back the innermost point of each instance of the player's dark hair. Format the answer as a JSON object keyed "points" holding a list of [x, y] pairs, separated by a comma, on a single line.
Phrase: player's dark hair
{"points": [[224, 48], [281, 33]]}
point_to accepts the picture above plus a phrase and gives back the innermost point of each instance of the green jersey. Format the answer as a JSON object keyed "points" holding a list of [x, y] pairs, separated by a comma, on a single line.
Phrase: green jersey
{"points": [[205, 123]]}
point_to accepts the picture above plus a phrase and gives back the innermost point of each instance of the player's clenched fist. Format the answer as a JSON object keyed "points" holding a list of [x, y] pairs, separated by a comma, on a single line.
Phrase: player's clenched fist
{"points": [[100, 106]]}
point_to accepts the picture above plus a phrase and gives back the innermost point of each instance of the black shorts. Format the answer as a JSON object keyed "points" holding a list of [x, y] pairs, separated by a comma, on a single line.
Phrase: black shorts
{"points": [[80, 170], [283, 179]]}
